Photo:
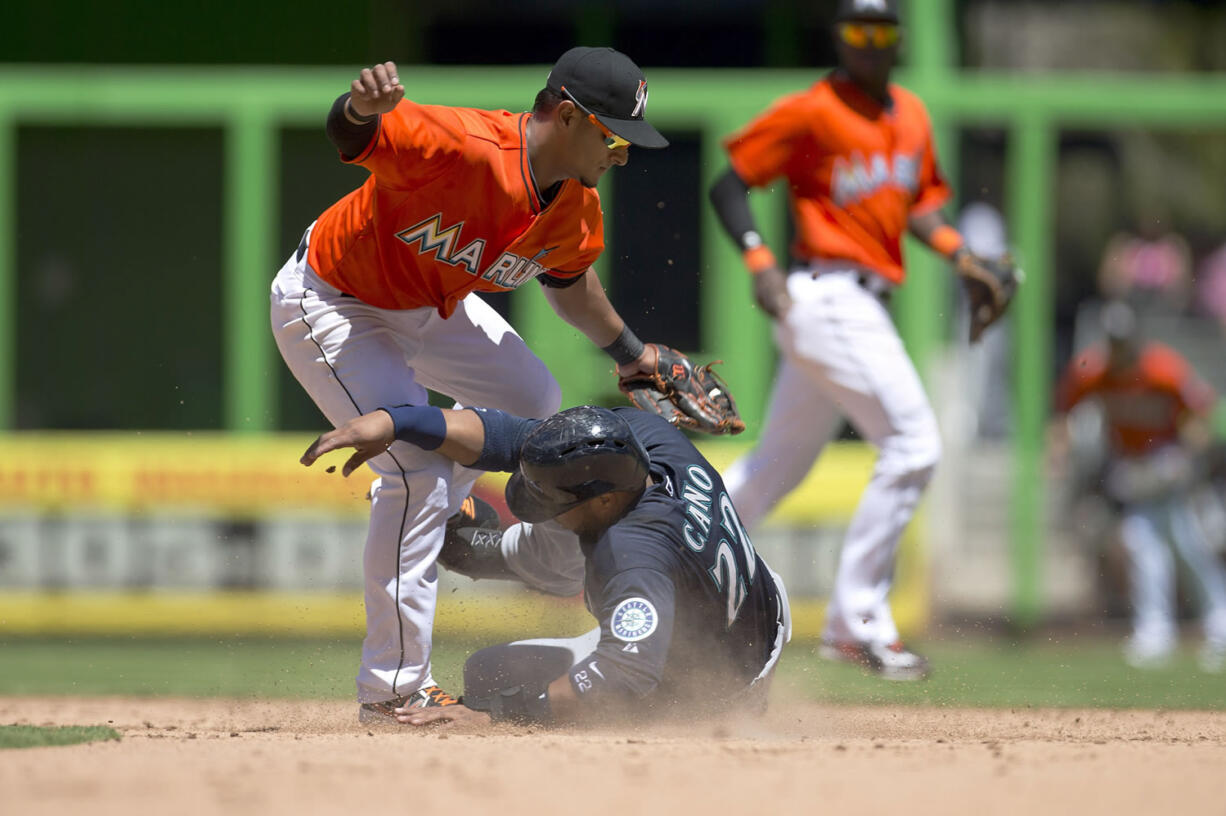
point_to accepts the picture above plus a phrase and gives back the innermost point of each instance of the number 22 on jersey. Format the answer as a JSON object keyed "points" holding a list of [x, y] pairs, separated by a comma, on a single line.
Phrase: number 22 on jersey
{"points": [[733, 561]]}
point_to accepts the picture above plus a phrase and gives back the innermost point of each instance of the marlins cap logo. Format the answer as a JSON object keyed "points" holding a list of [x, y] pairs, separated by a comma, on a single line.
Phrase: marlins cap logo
{"points": [[634, 619], [640, 99]]}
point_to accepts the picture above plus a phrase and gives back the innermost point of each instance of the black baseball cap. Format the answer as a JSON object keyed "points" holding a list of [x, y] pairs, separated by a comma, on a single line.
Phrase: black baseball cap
{"points": [[607, 84], [884, 11]]}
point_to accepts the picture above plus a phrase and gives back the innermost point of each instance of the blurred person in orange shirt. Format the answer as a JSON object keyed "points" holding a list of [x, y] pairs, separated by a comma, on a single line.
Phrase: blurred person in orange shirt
{"points": [[1154, 410]]}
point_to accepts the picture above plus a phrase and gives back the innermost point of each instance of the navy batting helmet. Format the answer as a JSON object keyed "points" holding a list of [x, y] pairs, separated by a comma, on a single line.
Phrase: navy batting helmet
{"points": [[573, 456]]}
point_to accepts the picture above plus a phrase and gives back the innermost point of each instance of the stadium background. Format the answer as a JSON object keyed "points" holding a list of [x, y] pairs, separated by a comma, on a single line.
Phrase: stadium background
{"points": [[159, 165]]}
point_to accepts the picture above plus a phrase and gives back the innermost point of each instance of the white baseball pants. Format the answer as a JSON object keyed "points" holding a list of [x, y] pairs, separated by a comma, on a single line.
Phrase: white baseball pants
{"points": [[841, 355], [1144, 532], [546, 556], [352, 358]]}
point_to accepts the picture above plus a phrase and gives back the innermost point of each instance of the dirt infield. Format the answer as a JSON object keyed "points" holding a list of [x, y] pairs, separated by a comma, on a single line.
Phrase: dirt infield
{"points": [[240, 757]]}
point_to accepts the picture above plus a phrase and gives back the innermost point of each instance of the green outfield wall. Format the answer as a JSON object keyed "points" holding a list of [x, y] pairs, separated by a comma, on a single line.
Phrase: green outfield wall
{"points": [[252, 105]]}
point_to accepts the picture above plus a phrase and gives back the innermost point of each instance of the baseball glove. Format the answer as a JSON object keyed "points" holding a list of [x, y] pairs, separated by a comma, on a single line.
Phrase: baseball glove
{"points": [[687, 396], [990, 284]]}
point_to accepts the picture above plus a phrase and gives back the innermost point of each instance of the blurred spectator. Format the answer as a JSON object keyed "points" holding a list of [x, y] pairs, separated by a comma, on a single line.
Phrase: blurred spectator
{"points": [[1154, 417], [990, 372], [1150, 268], [1211, 285]]}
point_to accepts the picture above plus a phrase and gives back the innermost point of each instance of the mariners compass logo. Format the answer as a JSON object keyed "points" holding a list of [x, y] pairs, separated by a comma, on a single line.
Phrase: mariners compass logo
{"points": [[634, 619]]}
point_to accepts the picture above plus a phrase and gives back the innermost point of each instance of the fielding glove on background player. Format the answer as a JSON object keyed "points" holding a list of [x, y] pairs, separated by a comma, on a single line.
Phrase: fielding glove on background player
{"points": [[689, 397], [990, 285]]}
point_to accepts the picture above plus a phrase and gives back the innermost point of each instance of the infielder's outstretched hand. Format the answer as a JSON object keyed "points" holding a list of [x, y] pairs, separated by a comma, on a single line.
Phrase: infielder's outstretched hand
{"points": [[369, 434], [376, 90], [770, 290]]}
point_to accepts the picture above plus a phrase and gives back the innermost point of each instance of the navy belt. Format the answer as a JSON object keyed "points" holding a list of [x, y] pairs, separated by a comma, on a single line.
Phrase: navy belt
{"points": [[875, 286]]}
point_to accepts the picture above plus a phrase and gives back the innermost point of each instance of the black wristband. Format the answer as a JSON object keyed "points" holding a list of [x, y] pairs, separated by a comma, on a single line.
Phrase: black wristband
{"points": [[626, 348], [358, 118]]}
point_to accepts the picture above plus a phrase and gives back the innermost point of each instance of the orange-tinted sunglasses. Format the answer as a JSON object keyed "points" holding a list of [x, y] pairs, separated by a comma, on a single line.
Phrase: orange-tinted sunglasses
{"points": [[611, 139], [869, 35]]}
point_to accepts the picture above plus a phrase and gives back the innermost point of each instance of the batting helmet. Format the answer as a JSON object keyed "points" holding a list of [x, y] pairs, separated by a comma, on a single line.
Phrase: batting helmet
{"points": [[573, 456]]}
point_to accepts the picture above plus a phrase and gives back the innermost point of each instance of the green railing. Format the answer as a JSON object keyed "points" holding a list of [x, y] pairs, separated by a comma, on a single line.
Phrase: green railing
{"points": [[251, 104]]}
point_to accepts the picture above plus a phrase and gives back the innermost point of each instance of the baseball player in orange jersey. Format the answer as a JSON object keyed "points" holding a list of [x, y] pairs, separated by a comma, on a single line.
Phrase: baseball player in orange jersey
{"points": [[857, 154], [378, 304], [1155, 409]]}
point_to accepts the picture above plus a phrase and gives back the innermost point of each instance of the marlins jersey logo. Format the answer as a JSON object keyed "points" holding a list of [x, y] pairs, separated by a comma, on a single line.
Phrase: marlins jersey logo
{"points": [[856, 170], [508, 272], [855, 178], [414, 235]]}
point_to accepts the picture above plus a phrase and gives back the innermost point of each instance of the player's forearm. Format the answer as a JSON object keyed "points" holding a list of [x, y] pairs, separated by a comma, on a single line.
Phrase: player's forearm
{"points": [[936, 232], [457, 434], [1195, 432], [586, 307], [564, 704], [465, 437], [730, 198]]}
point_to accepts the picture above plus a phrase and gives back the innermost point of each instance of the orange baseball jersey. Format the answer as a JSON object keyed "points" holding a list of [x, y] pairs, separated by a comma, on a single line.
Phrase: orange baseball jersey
{"points": [[855, 170], [1145, 403], [451, 207]]}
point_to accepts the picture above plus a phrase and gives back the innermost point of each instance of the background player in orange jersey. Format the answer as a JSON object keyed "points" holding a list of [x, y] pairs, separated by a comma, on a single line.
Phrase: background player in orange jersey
{"points": [[1154, 409], [378, 304], [857, 154]]}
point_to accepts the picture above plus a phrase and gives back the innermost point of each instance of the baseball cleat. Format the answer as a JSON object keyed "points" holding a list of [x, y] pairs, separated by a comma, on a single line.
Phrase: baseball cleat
{"points": [[892, 661], [472, 542], [1148, 654], [474, 512], [384, 711], [1212, 657]]}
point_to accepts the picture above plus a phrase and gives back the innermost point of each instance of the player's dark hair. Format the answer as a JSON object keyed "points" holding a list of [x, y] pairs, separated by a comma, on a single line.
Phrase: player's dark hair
{"points": [[546, 102]]}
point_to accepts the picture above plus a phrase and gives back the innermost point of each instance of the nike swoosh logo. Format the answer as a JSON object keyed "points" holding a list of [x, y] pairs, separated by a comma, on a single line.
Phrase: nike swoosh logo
{"points": [[592, 666]]}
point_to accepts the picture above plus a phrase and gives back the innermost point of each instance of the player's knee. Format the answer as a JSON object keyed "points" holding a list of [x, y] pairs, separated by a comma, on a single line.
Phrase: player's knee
{"points": [[929, 455], [511, 664], [542, 388], [537, 394], [549, 396], [911, 460], [924, 466]]}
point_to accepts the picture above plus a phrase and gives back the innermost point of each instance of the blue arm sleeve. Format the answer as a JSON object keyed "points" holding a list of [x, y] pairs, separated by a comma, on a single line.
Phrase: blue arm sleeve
{"points": [[504, 436]]}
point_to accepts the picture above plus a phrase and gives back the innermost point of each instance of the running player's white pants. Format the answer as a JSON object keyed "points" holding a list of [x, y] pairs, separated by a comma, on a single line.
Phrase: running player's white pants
{"points": [[353, 358], [1144, 531], [546, 556], [841, 355]]}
